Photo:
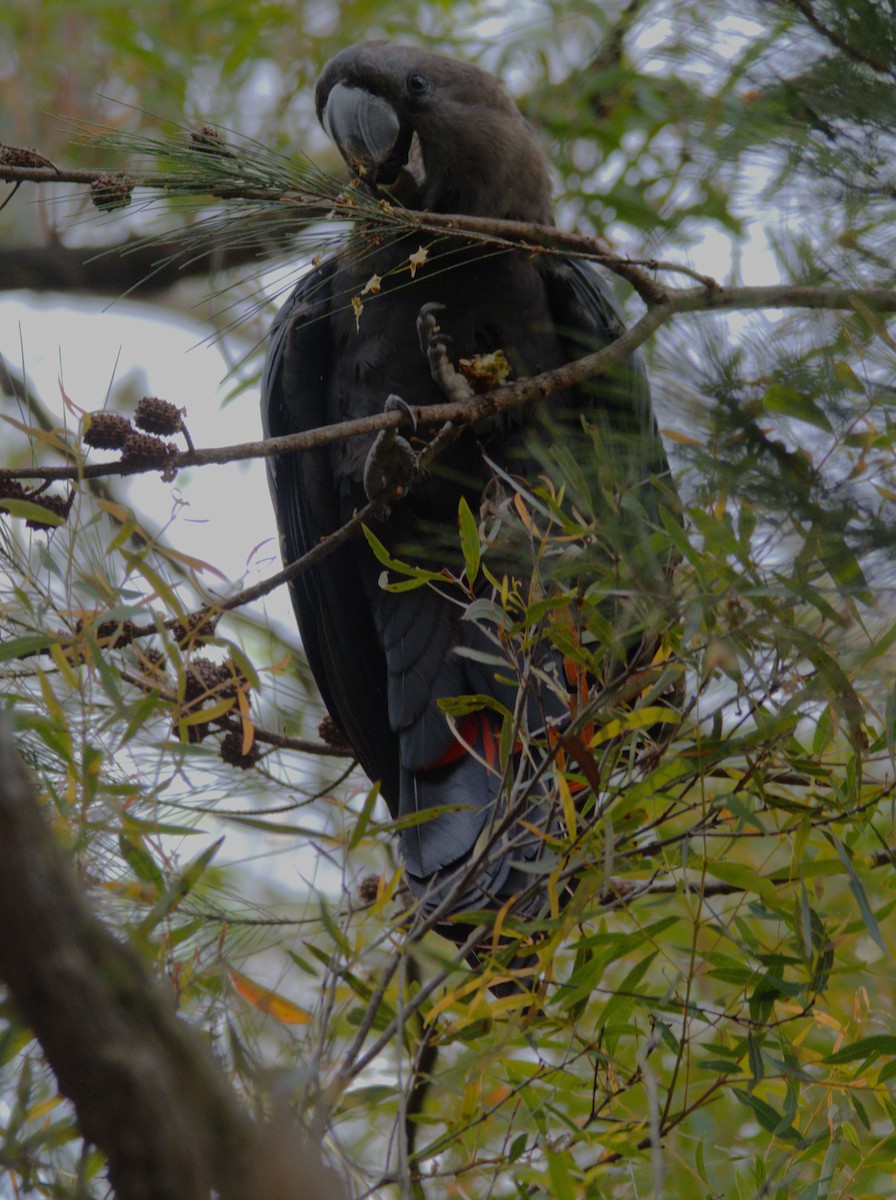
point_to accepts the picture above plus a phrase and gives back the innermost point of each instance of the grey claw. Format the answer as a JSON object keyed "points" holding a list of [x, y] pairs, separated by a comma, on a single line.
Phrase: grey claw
{"points": [[434, 344], [396, 404], [391, 461], [427, 325]]}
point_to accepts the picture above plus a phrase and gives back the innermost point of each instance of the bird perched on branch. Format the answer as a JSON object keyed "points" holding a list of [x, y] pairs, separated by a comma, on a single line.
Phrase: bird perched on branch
{"points": [[433, 134]]}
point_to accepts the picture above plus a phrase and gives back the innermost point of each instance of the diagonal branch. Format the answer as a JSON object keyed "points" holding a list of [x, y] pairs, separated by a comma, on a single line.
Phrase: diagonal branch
{"points": [[115, 1043], [839, 42], [518, 394]]}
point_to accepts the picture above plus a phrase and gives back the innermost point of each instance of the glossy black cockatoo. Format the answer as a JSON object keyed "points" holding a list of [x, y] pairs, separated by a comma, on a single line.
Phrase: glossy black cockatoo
{"points": [[434, 134]]}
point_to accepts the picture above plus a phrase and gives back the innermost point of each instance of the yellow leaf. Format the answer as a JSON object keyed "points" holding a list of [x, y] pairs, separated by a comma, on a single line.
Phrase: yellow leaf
{"points": [[553, 898], [873, 319], [134, 890], [42, 1107], [270, 1003], [64, 666], [499, 922], [48, 438], [51, 704], [847, 376], [188, 560], [118, 511], [567, 805], [652, 715], [522, 512], [161, 589], [417, 259], [248, 728], [210, 712], [472, 984], [682, 438], [823, 1018]]}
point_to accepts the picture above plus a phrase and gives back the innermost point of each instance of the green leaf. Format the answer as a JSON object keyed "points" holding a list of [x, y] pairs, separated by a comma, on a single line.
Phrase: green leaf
{"points": [[841, 691], [23, 647], [740, 876], [489, 613], [757, 1067], [367, 1098], [395, 564], [844, 374], [890, 723], [859, 1110], [625, 996], [13, 1039], [469, 540], [561, 1180], [459, 706], [768, 1117], [181, 887], [284, 828], [422, 816], [105, 672], [858, 891], [141, 862], [159, 585], [30, 511], [517, 1146], [333, 929], [481, 656], [867, 1048], [699, 1162], [364, 817], [843, 566], [780, 398], [403, 585], [719, 1066]]}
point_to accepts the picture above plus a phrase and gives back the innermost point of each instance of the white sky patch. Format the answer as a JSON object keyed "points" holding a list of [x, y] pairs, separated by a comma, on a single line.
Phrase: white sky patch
{"points": [[724, 40], [653, 34], [221, 513]]}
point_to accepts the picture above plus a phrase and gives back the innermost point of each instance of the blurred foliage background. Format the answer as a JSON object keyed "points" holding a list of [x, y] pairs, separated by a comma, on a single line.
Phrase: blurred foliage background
{"points": [[719, 1017]]}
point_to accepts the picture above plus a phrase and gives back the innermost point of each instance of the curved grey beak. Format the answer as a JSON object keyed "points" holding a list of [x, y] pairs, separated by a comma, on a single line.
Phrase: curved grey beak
{"points": [[363, 126]]}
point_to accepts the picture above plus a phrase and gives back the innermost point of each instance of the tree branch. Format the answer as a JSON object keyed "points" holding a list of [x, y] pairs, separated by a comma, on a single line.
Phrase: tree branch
{"points": [[354, 205], [146, 265], [518, 394], [114, 1042], [878, 65], [315, 206]]}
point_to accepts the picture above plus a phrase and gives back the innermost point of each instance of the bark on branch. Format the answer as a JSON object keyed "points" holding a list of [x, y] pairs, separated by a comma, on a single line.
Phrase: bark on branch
{"points": [[315, 205], [467, 412], [518, 394], [145, 1086], [138, 265]]}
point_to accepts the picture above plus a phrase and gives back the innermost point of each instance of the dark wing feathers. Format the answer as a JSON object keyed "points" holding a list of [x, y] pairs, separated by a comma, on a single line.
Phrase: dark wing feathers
{"points": [[382, 660], [338, 635]]}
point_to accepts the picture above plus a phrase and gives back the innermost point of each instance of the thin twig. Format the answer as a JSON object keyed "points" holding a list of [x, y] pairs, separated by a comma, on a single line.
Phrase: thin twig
{"points": [[840, 43]]}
